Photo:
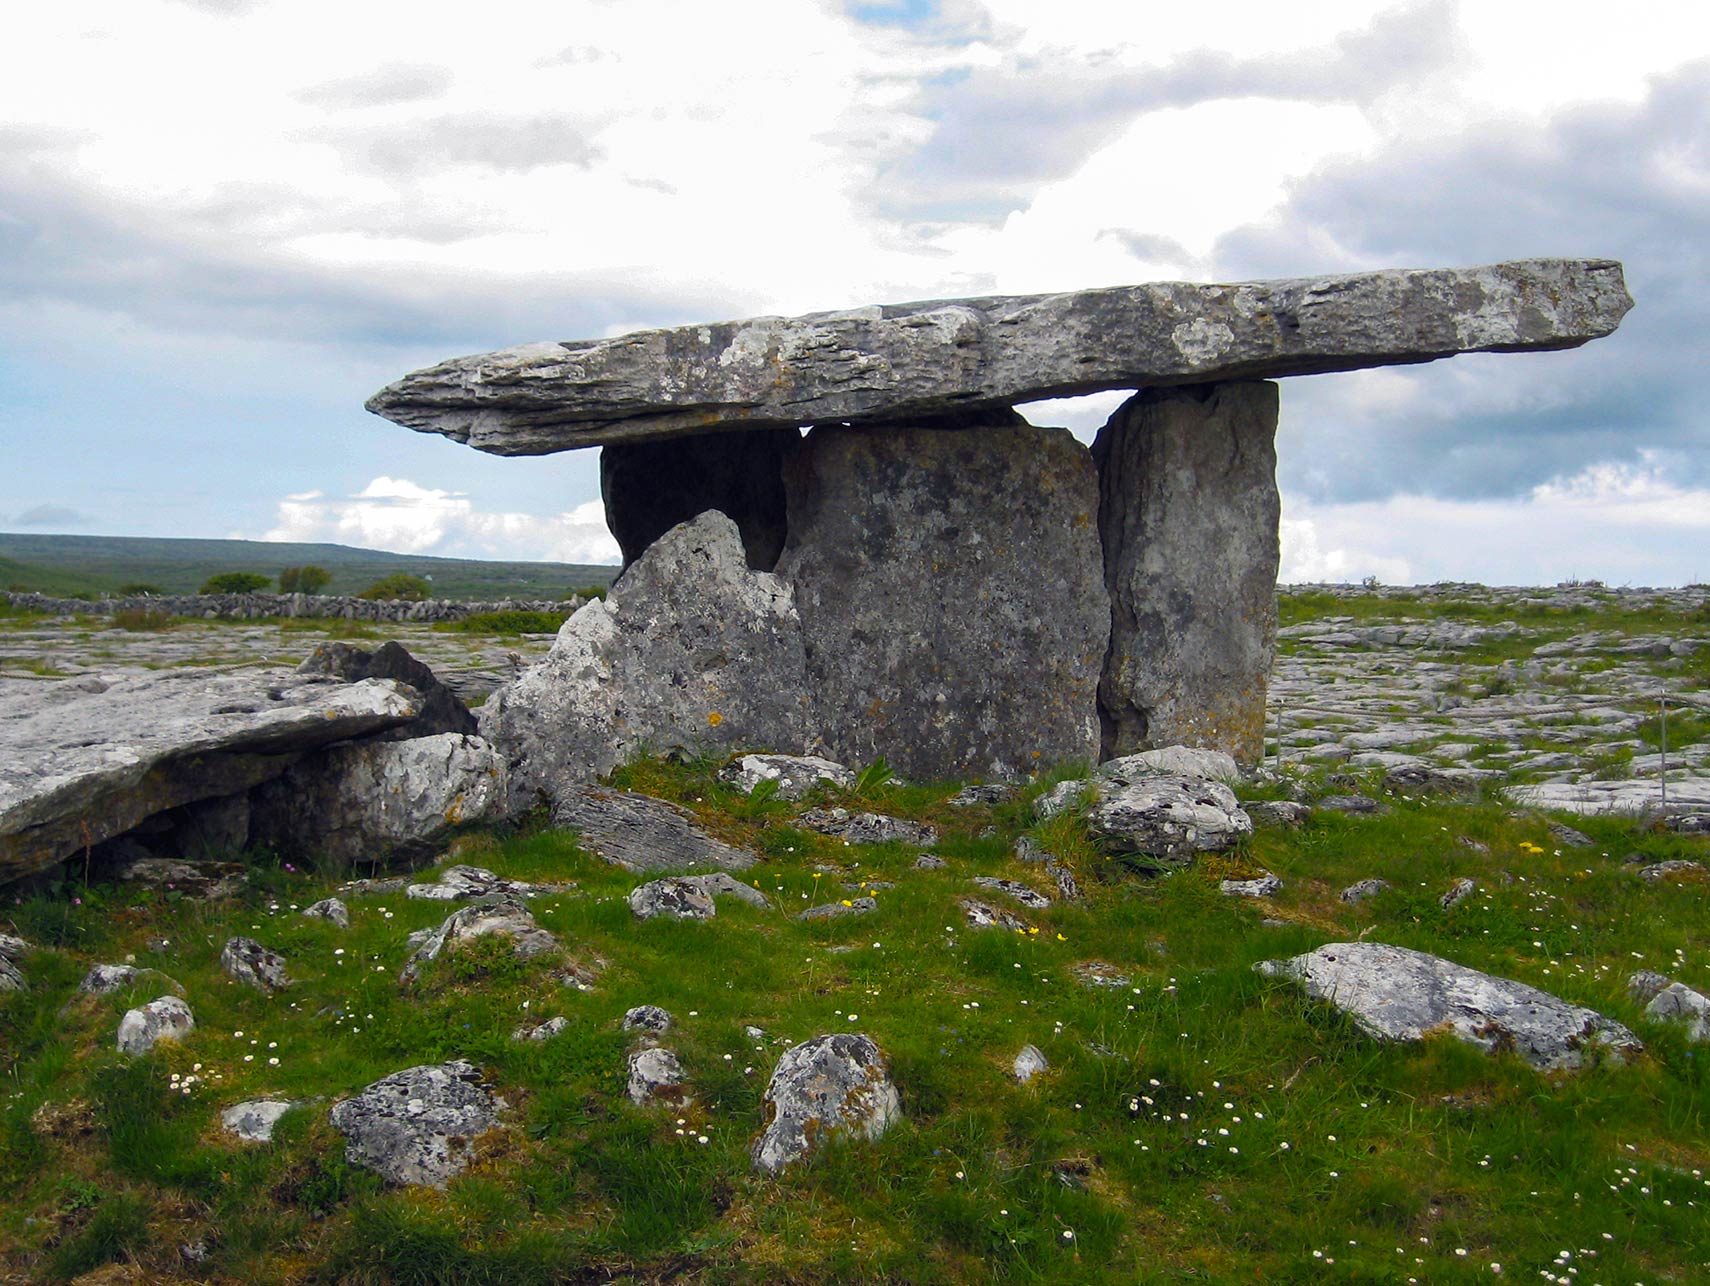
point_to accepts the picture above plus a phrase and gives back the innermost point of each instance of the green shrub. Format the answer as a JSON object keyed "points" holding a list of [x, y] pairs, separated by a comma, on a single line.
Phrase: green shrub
{"points": [[235, 583], [397, 585], [308, 579], [138, 619], [131, 588], [508, 623]]}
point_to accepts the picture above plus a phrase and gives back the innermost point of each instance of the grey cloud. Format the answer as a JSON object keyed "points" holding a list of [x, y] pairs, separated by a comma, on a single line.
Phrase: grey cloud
{"points": [[52, 516], [1610, 181], [1002, 132], [384, 86], [504, 144]]}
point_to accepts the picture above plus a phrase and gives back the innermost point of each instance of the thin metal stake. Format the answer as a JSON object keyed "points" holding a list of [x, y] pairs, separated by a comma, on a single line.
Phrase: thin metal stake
{"points": [[1662, 700]]}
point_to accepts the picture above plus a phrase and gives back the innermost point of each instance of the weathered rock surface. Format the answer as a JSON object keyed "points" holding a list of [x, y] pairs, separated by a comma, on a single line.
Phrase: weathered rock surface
{"points": [[643, 834], [1264, 886], [11, 977], [1172, 761], [656, 1076], [953, 610], [167, 1018], [675, 897], [253, 1122], [867, 828], [332, 910], [650, 487], [836, 1084], [245, 960], [87, 759], [541, 1031], [460, 883], [1676, 1002], [646, 1018], [206, 880], [417, 1127], [441, 710], [1397, 994], [103, 979], [896, 361], [505, 916], [374, 801], [983, 915], [796, 775], [690, 648], [1364, 890], [1015, 890], [841, 909], [1188, 514], [1168, 819]]}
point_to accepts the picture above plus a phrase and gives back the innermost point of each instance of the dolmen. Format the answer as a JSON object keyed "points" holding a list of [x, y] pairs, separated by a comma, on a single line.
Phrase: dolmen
{"points": [[924, 576]]}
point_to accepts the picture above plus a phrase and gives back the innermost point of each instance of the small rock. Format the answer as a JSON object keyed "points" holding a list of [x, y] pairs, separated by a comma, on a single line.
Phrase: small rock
{"points": [[1679, 1003], [1265, 886], [837, 910], [927, 862], [1568, 836], [1097, 973], [642, 834], [11, 948], [649, 1018], [981, 915], [505, 916], [332, 910], [245, 960], [1278, 812], [796, 775], [253, 1122], [1029, 851], [1418, 779], [1688, 823], [105, 978], [674, 896], [1062, 797], [837, 1083], [1172, 761], [1353, 804], [418, 1126], [11, 977], [541, 1031], [1169, 819], [867, 828], [167, 1018], [205, 880], [656, 1075], [1646, 983], [1014, 889], [1361, 890], [1067, 887], [1670, 869], [1029, 1063], [461, 883], [1459, 891], [976, 796]]}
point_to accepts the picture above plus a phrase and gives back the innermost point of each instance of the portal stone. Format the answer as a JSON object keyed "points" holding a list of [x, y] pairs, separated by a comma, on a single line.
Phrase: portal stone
{"points": [[1188, 512], [953, 613]]}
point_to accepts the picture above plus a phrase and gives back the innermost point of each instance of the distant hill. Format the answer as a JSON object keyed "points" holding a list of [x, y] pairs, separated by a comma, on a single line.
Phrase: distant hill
{"points": [[92, 564]]}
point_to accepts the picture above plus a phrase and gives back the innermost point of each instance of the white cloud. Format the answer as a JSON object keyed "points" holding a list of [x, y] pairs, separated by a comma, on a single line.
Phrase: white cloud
{"points": [[402, 517]]}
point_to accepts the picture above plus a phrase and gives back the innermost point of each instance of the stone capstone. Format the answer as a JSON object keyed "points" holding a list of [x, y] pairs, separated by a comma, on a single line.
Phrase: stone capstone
{"points": [[375, 801], [643, 834], [504, 916], [892, 362], [1397, 994], [245, 960], [690, 648], [1168, 819], [952, 606], [441, 709], [1188, 513], [85, 760], [417, 1127], [836, 1084], [796, 775], [167, 1018], [253, 1122]]}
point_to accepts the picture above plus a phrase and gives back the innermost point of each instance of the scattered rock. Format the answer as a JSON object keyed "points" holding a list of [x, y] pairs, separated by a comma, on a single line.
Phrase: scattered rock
{"points": [[1014, 889], [418, 1127], [1418, 779], [1568, 836], [245, 960], [1265, 886], [982, 915], [1030, 851], [1362, 805], [1397, 994], [1688, 823], [648, 1018], [167, 1018], [1459, 891], [1362, 890], [541, 1031], [104, 979], [867, 828], [1278, 812], [1029, 1063], [674, 896], [980, 795], [461, 883], [655, 1075], [1646, 983], [1672, 869], [1679, 1003], [643, 834], [11, 977], [504, 916], [835, 1084], [927, 862], [796, 775], [1168, 819], [207, 881], [332, 910], [1171, 761], [1098, 973], [253, 1122], [1068, 888], [837, 910], [1063, 797]]}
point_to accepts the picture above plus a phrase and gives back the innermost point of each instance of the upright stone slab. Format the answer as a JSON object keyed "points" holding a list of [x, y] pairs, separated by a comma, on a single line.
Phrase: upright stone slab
{"points": [[1188, 512], [953, 613], [651, 486]]}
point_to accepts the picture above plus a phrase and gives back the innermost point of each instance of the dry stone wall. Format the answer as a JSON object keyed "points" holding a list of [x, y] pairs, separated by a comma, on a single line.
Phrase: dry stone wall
{"points": [[249, 607]]}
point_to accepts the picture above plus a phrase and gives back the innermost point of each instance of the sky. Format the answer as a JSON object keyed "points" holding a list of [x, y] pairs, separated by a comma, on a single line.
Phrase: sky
{"points": [[225, 223]]}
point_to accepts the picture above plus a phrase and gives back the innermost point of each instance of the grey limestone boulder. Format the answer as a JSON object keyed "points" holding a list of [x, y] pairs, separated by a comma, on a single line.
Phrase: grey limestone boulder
{"points": [[505, 916], [1172, 761], [689, 648], [88, 759], [953, 610], [167, 1018], [1397, 994], [417, 1127], [983, 915], [245, 960], [541, 1031], [643, 834], [332, 910], [674, 897], [655, 1076], [441, 709], [374, 801], [1015, 890], [796, 775], [646, 1018], [1670, 1001], [103, 979], [1264, 886], [835, 1084], [1458, 892], [1364, 890], [1168, 819], [867, 828], [888, 362], [460, 883], [840, 910], [1188, 512], [11, 951], [253, 1122]]}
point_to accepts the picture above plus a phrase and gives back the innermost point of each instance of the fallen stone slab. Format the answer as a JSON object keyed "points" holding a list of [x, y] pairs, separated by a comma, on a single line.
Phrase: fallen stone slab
{"points": [[1676, 1002], [834, 1084], [245, 960], [983, 915], [167, 1018], [505, 916], [890, 362], [86, 760], [253, 1122], [1397, 994], [1168, 819], [417, 1127], [379, 801], [796, 775], [1674, 868], [441, 709], [643, 834]]}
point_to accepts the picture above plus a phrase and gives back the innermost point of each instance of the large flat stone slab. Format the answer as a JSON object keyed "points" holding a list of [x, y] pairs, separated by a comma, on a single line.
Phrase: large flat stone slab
{"points": [[85, 760], [914, 361]]}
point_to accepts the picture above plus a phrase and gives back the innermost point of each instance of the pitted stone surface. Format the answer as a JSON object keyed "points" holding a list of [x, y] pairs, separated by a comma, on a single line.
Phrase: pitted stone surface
{"points": [[441, 709], [952, 602], [253, 1122], [416, 1127], [1168, 819], [867, 828], [890, 362], [1397, 994], [1029, 1063], [655, 1076], [838, 1083], [167, 1018], [646, 1018], [332, 910], [796, 775], [245, 960], [674, 897]]}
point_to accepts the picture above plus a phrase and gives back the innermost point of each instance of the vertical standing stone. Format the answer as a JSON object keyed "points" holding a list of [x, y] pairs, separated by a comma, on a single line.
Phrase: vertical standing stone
{"points": [[1188, 512], [953, 609], [650, 487]]}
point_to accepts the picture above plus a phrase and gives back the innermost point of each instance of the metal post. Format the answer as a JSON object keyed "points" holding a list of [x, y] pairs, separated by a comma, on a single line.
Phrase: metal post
{"points": [[1662, 701]]}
